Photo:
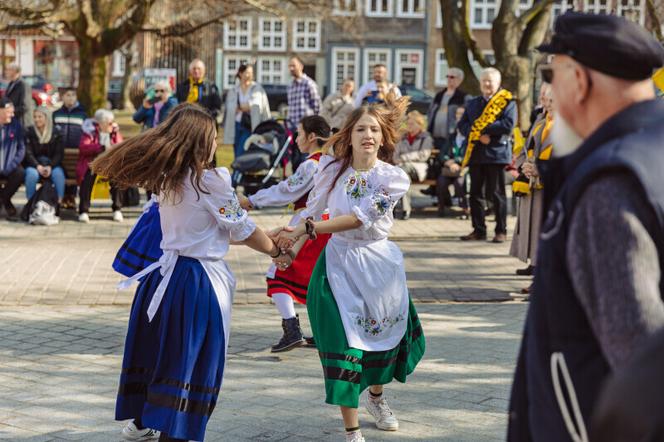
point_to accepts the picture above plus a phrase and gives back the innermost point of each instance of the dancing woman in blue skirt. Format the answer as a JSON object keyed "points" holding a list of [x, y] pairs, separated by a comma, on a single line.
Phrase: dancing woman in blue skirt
{"points": [[179, 325]]}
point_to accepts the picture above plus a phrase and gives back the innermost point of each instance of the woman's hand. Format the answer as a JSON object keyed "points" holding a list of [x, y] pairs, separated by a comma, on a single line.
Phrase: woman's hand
{"points": [[147, 103], [47, 171], [245, 203], [283, 261], [286, 239], [529, 169]]}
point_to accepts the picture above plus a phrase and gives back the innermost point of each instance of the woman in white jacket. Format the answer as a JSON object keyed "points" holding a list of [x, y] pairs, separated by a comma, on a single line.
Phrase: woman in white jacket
{"points": [[246, 107]]}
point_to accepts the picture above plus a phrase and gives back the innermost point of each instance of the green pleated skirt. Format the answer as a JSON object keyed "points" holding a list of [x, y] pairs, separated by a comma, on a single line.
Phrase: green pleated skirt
{"points": [[349, 371]]}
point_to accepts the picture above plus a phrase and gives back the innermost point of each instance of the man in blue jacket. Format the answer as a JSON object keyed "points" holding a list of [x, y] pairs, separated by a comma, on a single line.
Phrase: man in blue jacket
{"points": [[12, 151], [489, 151]]}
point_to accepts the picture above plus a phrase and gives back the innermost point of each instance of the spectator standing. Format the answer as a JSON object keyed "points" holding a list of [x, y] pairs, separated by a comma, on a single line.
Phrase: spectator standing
{"points": [[43, 154], [12, 151], [246, 107], [538, 148], [69, 120], [597, 294], [338, 105], [442, 112], [155, 109], [412, 153], [487, 125], [20, 94], [303, 97], [196, 89], [99, 133], [371, 88]]}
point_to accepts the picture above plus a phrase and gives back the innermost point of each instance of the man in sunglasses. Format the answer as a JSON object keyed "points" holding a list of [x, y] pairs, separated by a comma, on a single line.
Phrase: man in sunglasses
{"points": [[157, 104], [597, 294]]}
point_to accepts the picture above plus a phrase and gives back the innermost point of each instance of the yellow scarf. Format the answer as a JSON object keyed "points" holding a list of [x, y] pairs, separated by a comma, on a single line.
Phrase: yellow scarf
{"points": [[193, 90], [493, 108]]}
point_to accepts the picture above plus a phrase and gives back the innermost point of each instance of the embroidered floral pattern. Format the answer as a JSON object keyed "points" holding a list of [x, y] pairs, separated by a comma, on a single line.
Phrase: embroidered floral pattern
{"points": [[232, 211], [381, 202], [374, 326], [295, 180], [356, 185]]}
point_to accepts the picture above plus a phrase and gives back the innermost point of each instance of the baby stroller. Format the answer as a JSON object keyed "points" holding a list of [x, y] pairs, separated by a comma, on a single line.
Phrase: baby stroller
{"points": [[263, 152]]}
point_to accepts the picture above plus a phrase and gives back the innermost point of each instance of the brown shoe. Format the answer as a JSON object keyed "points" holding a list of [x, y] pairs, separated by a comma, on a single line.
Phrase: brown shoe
{"points": [[499, 238], [473, 236]]}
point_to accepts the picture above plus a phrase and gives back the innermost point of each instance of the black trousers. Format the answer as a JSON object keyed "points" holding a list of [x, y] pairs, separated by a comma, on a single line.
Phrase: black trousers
{"points": [[86, 193], [14, 181], [489, 180], [443, 191]]}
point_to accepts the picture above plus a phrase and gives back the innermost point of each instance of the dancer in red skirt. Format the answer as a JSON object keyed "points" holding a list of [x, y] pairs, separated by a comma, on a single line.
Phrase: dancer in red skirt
{"points": [[287, 281]]}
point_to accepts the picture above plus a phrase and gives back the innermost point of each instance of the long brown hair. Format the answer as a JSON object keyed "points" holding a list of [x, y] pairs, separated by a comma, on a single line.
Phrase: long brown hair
{"points": [[160, 158], [389, 116]]}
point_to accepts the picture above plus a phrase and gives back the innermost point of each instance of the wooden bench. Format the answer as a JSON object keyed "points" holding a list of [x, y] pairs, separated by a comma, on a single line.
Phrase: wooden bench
{"points": [[69, 161]]}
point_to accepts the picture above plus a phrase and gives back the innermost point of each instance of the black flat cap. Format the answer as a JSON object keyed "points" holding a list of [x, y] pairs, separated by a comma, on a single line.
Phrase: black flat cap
{"points": [[606, 43]]}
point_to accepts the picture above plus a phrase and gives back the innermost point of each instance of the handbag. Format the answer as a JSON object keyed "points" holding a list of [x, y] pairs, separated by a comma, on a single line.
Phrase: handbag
{"points": [[101, 189], [41, 209]]}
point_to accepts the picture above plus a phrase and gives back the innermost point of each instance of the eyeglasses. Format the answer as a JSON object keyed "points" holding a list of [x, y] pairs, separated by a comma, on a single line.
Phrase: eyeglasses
{"points": [[160, 90], [548, 73], [451, 76]]}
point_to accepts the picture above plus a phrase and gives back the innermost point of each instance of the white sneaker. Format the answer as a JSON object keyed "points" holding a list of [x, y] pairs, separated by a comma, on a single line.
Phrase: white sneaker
{"points": [[385, 419], [117, 216], [130, 432], [355, 436], [84, 218]]}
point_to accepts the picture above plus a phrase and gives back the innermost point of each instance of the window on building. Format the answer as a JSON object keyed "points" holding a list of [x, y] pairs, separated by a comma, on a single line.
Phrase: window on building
{"points": [[598, 6], [632, 10], [524, 5], [345, 7], [231, 64], [411, 8], [409, 67], [345, 64], [306, 35], [482, 13], [373, 57], [440, 76], [271, 70], [237, 33], [119, 63], [559, 8], [379, 8], [271, 34]]}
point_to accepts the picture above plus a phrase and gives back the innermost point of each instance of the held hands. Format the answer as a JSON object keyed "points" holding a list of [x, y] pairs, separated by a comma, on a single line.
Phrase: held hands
{"points": [[44, 171], [287, 238], [245, 203], [529, 170], [283, 261]]}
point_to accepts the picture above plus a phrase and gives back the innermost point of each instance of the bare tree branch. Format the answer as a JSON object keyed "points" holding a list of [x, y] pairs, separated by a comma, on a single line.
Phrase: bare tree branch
{"points": [[654, 17], [534, 11]]}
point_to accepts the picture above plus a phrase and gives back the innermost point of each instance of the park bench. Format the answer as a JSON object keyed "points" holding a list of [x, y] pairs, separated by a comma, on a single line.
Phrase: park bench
{"points": [[69, 160]]}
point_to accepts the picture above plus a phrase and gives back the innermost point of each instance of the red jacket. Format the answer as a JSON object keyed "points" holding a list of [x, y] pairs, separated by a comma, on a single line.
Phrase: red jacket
{"points": [[90, 147]]}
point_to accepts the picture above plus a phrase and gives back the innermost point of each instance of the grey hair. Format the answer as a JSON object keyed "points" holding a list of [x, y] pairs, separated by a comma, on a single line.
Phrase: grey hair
{"points": [[104, 115], [493, 72], [165, 84], [194, 61], [14, 66], [457, 73]]}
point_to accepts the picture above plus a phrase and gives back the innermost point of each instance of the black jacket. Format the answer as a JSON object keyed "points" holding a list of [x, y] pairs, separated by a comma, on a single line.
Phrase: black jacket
{"points": [[499, 150], [19, 93], [48, 154], [70, 124], [208, 96]]}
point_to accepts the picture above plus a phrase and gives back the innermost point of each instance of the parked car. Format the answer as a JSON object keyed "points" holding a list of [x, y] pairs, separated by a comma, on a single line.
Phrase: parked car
{"points": [[420, 100], [43, 93]]}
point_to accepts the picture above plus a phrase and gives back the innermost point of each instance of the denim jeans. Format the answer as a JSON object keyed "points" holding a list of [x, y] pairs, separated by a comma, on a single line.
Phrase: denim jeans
{"points": [[32, 178]]}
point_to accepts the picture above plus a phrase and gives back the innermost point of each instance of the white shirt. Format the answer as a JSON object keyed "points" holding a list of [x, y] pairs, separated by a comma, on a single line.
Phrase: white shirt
{"points": [[371, 86], [365, 271]]}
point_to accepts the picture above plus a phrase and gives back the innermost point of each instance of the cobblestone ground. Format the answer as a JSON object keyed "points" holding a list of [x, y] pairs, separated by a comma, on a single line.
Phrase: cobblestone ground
{"points": [[59, 367], [62, 325]]}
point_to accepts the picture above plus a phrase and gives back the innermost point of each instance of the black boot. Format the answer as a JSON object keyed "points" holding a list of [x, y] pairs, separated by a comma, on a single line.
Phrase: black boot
{"points": [[528, 271], [310, 342], [292, 336]]}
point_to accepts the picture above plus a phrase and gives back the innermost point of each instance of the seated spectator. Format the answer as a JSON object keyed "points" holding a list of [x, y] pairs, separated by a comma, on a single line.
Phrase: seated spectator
{"points": [[12, 150], [338, 105], [99, 133], [69, 119], [451, 174], [155, 108], [412, 153], [43, 154]]}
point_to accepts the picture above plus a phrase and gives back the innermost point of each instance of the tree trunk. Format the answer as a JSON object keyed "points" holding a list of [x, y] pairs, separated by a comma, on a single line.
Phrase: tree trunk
{"points": [[518, 78], [92, 77], [125, 101], [455, 44]]}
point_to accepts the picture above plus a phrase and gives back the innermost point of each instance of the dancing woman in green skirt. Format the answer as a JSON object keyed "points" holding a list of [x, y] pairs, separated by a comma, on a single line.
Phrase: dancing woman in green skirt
{"points": [[364, 324]]}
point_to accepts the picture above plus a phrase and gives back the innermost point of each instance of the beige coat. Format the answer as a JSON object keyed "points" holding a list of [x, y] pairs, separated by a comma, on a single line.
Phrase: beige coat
{"points": [[529, 216], [336, 109]]}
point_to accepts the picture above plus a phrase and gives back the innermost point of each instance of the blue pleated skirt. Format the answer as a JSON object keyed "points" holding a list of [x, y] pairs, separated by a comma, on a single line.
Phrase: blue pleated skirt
{"points": [[173, 366], [142, 246]]}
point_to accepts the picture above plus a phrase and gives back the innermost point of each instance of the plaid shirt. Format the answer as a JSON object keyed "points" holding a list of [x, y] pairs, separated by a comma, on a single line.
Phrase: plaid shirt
{"points": [[303, 99]]}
